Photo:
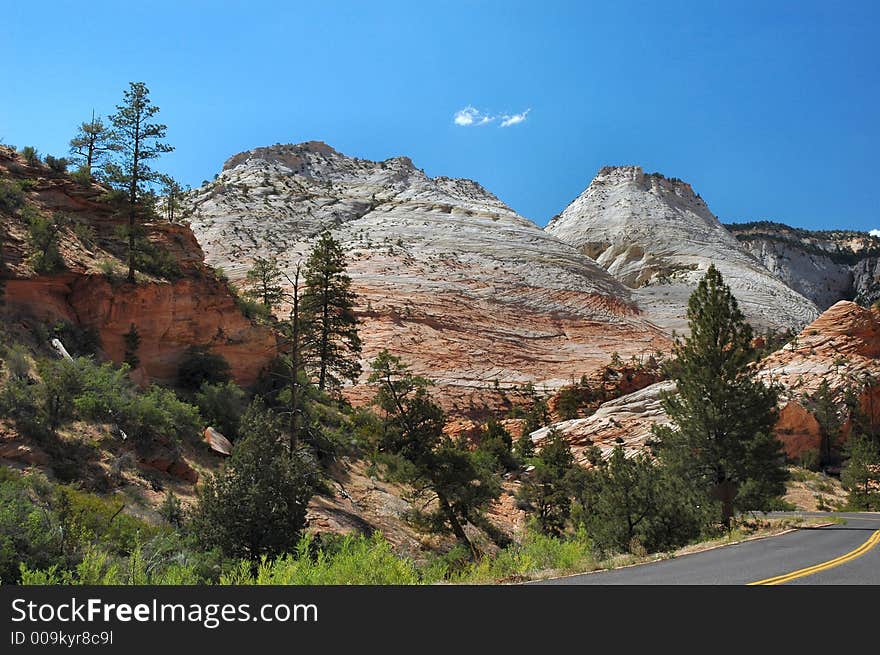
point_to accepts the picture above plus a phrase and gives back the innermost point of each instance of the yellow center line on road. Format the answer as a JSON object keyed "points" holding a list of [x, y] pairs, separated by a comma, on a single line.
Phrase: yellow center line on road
{"points": [[872, 541]]}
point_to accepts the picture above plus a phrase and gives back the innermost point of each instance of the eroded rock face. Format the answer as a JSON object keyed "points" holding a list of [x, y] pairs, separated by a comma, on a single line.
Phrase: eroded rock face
{"points": [[658, 237], [447, 276], [626, 421], [169, 318], [841, 347], [825, 266]]}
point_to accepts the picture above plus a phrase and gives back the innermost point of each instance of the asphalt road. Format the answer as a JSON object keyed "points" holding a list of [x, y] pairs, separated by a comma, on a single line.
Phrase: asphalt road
{"points": [[764, 559]]}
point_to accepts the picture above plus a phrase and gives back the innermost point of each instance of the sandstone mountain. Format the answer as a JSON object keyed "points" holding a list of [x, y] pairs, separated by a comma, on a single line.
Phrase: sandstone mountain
{"points": [[841, 347], [658, 237], [824, 266], [449, 277]]}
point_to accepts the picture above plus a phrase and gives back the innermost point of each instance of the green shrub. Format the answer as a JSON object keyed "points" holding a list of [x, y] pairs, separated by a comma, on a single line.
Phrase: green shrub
{"points": [[43, 240], [11, 196], [85, 233], [79, 340], [348, 560], [30, 155], [810, 459], [57, 165], [82, 175], [221, 405], [199, 365]]}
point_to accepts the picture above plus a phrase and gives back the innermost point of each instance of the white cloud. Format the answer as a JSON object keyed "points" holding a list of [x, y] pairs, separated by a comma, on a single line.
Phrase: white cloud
{"points": [[874, 233], [507, 121], [470, 116]]}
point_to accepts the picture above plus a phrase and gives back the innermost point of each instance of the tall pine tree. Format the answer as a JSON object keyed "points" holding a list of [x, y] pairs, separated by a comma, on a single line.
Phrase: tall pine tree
{"points": [[331, 344], [721, 438], [136, 141]]}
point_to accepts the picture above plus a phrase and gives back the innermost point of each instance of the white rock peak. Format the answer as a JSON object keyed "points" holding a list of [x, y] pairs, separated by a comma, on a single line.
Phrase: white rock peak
{"points": [[658, 237], [447, 274]]}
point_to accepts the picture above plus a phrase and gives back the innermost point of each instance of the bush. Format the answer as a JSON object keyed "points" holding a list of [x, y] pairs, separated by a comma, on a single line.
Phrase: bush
{"points": [[30, 155], [85, 233], [256, 504], [57, 165], [810, 459], [199, 365], [17, 362], [11, 196], [222, 405], [348, 560], [43, 240], [82, 175], [79, 340]]}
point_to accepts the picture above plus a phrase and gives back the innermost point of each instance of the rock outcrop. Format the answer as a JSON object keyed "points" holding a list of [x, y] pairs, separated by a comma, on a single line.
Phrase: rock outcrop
{"points": [[658, 237], [191, 307], [841, 347], [825, 266], [447, 276]]}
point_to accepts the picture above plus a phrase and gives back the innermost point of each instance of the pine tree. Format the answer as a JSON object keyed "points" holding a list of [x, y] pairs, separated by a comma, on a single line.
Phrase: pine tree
{"points": [[256, 505], [331, 343], [721, 438], [823, 405], [91, 145], [461, 482], [265, 280], [172, 198], [861, 474], [136, 141], [547, 491]]}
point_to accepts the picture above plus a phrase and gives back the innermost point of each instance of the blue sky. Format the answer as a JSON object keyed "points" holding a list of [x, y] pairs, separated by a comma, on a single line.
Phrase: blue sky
{"points": [[770, 109]]}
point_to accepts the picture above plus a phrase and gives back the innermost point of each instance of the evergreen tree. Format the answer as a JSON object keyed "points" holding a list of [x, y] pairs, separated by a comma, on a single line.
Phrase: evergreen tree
{"points": [[132, 340], [331, 342], [256, 505], [721, 437], [136, 141], [498, 444], [91, 145], [861, 474], [631, 503], [547, 491], [524, 447], [265, 280], [823, 405], [172, 198], [418, 453]]}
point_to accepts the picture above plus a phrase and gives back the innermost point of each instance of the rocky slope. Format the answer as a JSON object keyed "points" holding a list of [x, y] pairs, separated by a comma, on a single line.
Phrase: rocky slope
{"points": [[658, 237], [824, 266], [447, 276], [191, 307], [841, 347]]}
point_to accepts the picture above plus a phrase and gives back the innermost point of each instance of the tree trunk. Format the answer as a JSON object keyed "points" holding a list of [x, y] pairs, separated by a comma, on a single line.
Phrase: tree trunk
{"points": [[132, 198], [325, 332], [294, 355], [457, 529]]}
